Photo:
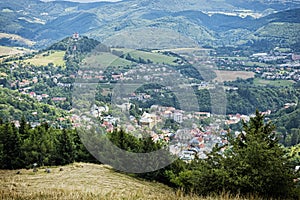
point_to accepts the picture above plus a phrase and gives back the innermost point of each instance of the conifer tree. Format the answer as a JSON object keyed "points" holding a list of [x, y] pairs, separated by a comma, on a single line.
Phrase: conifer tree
{"points": [[255, 163], [252, 163], [11, 147]]}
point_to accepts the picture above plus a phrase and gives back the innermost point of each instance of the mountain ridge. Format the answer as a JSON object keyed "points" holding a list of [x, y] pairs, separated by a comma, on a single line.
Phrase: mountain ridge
{"points": [[47, 22]]}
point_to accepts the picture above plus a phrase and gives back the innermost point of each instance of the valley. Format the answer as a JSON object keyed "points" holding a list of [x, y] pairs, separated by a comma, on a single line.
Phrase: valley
{"points": [[168, 99]]}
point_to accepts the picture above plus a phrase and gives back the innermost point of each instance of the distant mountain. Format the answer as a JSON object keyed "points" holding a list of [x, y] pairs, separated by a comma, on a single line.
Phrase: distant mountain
{"points": [[155, 24]]}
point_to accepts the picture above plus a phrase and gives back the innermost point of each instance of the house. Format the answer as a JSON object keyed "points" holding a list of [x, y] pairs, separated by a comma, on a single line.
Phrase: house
{"points": [[59, 99], [202, 114], [34, 79], [148, 120], [117, 76], [177, 116], [32, 94]]}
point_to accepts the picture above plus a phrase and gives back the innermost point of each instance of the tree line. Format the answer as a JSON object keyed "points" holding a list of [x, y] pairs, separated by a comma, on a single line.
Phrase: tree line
{"points": [[252, 163], [23, 146]]}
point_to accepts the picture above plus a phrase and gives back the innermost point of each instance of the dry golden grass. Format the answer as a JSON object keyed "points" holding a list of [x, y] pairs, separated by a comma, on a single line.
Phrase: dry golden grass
{"points": [[223, 75], [85, 181]]}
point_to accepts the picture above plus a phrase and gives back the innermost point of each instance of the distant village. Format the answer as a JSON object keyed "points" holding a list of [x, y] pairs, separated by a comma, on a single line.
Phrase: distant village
{"points": [[186, 141], [274, 65]]}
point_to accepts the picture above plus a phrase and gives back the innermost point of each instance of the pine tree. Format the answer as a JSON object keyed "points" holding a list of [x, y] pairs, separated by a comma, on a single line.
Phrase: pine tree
{"points": [[23, 129], [65, 148], [252, 163], [11, 147], [255, 163]]}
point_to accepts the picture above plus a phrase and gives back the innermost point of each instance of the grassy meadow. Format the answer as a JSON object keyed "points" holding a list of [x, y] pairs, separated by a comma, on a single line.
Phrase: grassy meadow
{"points": [[86, 181], [103, 60], [276, 83], [223, 75], [155, 57], [55, 57]]}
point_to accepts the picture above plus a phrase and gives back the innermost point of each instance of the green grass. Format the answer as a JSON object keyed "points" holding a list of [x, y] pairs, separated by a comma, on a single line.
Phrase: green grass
{"points": [[55, 57], [103, 60], [153, 56], [276, 83], [282, 30]]}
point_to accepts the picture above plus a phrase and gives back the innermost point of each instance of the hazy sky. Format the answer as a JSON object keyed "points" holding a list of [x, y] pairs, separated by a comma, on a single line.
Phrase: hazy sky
{"points": [[85, 1]]}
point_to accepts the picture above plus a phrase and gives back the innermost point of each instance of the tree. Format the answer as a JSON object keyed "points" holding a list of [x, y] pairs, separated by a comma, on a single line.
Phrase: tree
{"points": [[255, 162], [11, 147], [252, 163], [295, 136], [23, 129], [65, 148]]}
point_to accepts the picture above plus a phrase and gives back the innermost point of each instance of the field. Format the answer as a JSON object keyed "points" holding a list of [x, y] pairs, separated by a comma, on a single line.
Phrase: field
{"points": [[179, 50], [223, 75], [85, 181], [155, 57], [103, 60], [55, 57], [276, 83]]}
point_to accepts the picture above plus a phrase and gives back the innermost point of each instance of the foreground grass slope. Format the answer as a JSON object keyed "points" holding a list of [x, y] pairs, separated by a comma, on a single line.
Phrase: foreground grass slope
{"points": [[84, 181]]}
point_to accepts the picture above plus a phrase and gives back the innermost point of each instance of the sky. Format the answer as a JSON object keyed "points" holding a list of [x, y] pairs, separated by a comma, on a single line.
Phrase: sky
{"points": [[86, 1]]}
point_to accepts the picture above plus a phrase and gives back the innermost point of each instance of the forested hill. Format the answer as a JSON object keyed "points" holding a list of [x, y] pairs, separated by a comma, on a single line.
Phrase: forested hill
{"points": [[14, 105], [214, 23], [83, 44]]}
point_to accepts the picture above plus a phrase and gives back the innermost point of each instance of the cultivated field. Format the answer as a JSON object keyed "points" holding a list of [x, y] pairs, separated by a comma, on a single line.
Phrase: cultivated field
{"points": [[102, 60], [55, 57], [154, 56], [223, 75], [276, 83], [84, 181]]}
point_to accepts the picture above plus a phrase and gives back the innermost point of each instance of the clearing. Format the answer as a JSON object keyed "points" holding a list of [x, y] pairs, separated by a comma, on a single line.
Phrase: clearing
{"points": [[103, 59], [276, 83], [155, 57], [55, 57], [223, 75]]}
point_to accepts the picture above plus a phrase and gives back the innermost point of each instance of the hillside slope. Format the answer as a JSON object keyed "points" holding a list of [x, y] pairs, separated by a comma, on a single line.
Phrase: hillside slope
{"points": [[79, 181], [153, 22], [87, 181]]}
